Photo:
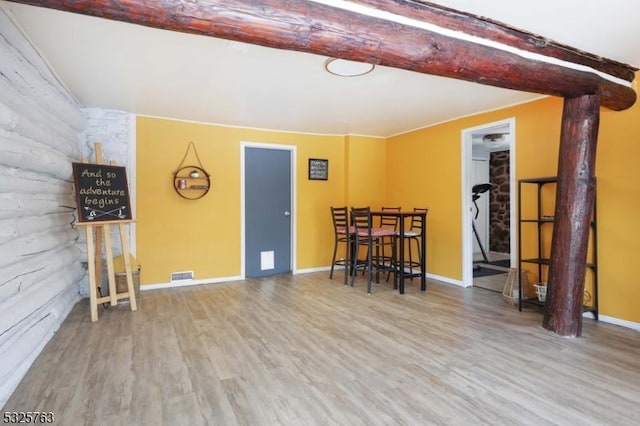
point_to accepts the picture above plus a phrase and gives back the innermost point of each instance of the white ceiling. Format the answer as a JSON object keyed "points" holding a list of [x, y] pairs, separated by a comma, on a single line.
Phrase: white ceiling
{"points": [[153, 72]]}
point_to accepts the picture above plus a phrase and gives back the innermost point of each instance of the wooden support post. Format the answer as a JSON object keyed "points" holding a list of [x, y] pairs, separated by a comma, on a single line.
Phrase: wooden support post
{"points": [[574, 206]]}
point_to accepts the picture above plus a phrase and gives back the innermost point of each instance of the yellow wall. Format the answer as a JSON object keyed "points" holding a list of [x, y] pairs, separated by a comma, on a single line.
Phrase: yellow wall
{"points": [[424, 169], [618, 209], [421, 168], [174, 234], [366, 175]]}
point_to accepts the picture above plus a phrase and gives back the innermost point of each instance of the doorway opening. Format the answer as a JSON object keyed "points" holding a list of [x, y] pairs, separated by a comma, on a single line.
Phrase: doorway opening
{"points": [[488, 202]]}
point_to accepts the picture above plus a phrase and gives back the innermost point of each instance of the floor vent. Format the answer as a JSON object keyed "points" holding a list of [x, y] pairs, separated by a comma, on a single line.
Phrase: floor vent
{"points": [[181, 276]]}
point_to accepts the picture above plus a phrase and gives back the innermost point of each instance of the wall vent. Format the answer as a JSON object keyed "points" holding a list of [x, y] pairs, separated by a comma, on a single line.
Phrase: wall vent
{"points": [[181, 276]]}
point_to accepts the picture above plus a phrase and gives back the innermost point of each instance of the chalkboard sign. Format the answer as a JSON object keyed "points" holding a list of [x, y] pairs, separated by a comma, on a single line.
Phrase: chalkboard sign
{"points": [[101, 192], [318, 169]]}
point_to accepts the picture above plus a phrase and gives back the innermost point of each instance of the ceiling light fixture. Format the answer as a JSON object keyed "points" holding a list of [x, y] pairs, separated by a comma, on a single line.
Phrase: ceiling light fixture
{"points": [[493, 140], [345, 68]]}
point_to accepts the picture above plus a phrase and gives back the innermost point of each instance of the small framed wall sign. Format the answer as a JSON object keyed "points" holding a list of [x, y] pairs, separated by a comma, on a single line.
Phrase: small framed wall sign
{"points": [[318, 169]]}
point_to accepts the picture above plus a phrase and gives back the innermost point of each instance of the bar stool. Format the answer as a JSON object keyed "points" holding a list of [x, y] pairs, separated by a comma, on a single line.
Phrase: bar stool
{"points": [[387, 257], [370, 237], [413, 234], [342, 234]]}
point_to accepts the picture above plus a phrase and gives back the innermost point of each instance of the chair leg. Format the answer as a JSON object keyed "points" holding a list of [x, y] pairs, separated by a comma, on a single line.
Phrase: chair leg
{"points": [[348, 268], [393, 266], [422, 268], [411, 262], [333, 259], [354, 261], [384, 255], [367, 256], [377, 264], [369, 266]]}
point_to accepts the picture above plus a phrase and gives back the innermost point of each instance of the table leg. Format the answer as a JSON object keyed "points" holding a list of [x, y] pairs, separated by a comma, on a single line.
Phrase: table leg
{"points": [[423, 254], [401, 262]]}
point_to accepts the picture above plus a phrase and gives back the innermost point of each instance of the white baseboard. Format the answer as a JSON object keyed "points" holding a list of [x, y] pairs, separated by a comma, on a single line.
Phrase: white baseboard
{"points": [[187, 283], [441, 278], [446, 280], [311, 270], [620, 322]]}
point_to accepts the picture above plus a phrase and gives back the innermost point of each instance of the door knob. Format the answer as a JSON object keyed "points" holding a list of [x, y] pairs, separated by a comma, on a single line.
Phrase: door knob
{"points": [[287, 213]]}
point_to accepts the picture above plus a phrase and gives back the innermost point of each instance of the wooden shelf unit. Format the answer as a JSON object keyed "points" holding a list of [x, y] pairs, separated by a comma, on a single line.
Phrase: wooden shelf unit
{"points": [[191, 188], [543, 222]]}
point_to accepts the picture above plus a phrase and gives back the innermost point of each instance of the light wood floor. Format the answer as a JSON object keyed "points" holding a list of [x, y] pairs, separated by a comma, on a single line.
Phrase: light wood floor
{"points": [[302, 349], [491, 282]]}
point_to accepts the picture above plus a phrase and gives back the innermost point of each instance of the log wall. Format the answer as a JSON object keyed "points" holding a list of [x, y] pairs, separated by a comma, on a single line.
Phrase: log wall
{"points": [[40, 270]]}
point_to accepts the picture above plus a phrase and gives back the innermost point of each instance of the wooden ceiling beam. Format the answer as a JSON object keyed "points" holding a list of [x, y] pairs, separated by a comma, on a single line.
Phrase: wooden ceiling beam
{"points": [[488, 28], [396, 33]]}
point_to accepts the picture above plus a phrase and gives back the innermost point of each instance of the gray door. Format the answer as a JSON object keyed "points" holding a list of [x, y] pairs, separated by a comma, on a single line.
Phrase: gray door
{"points": [[267, 211]]}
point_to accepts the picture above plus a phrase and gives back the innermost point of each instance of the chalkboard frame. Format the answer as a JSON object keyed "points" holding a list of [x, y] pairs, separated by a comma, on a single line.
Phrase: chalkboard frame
{"points": [[318, 169], [108, 189]]}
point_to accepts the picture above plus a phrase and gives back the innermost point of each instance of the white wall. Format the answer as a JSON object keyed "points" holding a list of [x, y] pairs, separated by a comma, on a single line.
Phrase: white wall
{"points": [[40, 270]]}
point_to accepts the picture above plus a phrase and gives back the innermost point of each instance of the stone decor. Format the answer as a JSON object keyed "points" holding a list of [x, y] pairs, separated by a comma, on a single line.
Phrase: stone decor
{"points": [[499, 199]]}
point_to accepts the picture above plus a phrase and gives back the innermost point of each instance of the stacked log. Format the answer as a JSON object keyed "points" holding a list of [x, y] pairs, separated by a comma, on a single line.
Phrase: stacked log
{"points": [[40, 269]]}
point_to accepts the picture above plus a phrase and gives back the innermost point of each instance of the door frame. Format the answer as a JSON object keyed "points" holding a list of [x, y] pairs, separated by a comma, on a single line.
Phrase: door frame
{"points": [[292, 149], [466, 158]]}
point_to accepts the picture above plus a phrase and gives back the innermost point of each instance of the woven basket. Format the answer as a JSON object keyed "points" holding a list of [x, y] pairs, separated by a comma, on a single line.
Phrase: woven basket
{"points": [[541, 291]]}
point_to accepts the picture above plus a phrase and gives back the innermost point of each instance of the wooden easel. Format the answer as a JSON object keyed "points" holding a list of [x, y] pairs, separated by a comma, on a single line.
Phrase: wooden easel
{"points": [[94, 257]]}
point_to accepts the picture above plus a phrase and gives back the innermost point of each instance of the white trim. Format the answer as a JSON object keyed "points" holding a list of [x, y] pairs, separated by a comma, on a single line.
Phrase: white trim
{"points": [[473, 114], [403, 20], [318, 269], [616, 321], [189, 283], [264, 129], [467, 240], [445, 280], [429, 276], [293, 152]]}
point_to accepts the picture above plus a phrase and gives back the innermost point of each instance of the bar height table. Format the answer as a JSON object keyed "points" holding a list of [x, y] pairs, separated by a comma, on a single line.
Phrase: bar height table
{"points": [[401, 275]]}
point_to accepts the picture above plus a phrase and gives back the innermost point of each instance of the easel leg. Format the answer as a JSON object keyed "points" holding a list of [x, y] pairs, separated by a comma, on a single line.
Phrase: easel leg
{"points": [[93, 299], [113, 296], [98, 258], [127, 267]]}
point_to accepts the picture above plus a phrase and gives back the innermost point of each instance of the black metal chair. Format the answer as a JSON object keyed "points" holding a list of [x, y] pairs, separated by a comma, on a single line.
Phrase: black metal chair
{"points": [[387, 256], [371, 238], [414, 234], [342, 234]]}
